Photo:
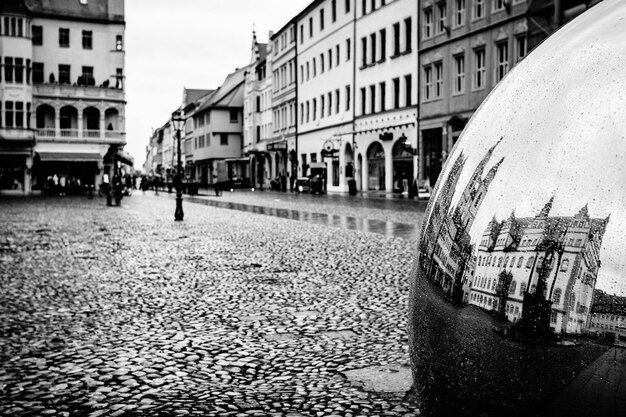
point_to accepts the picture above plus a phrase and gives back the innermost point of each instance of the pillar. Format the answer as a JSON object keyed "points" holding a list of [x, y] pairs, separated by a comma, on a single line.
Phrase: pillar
{"points": [[101, 126], [80, 122], [99, 174], [57, 121], [27, 172], [389, 169], [364, 174]]}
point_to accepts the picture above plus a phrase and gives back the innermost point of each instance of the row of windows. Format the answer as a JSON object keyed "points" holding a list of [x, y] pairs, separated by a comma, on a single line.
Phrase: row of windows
{"points": [[282, 42], [435, 22], [65, 76], [433, 73], [333, 16], [374, 5], [324, 58], [263, 102], [326, 105], [262, 132], [64, 38], [284, 76], [284, 117], [15, 70], [16, 114], [203, 141], [374, 98], [13, 26], [610, 317], [497, 262], [374, 46]]}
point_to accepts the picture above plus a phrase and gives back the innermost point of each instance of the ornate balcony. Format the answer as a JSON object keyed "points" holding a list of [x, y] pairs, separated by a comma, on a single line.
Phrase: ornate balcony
{"points": [[78, 91], [76, 136]]}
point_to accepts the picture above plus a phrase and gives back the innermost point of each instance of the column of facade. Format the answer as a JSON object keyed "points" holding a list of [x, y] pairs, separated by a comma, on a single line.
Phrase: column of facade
{"points": [[389, 169], [57, 121], [28, 164], [101, 127], [364, 173]]}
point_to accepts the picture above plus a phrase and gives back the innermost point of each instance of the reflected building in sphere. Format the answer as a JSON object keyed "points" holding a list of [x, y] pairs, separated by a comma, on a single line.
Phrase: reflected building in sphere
{"points": [[558, 254]]}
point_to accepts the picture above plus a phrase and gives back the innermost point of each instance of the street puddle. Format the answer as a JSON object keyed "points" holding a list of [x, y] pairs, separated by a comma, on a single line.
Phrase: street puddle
{"points": [[389, 229], [395, 379]]}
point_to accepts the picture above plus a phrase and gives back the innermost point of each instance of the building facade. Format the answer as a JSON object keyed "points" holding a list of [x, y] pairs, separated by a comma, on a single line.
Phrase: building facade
{"points": [[325, 87], [62, 91], [385, 95], [214, 131], [466, 47], [257, 111], [284, 106]]}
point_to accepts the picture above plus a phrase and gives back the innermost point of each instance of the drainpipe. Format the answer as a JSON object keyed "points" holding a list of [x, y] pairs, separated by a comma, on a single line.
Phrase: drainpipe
{"points": [[418, 27], [295, 30], [353, 98]]}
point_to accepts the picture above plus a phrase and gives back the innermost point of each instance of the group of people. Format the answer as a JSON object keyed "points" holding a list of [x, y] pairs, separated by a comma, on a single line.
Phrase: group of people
{"points": [[65, 185], [280, 182]]}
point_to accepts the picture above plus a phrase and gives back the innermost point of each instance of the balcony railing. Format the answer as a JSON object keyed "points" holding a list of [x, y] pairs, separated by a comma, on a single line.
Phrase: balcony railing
{"points": [[69, 133], [78, 91], [75, 135]]}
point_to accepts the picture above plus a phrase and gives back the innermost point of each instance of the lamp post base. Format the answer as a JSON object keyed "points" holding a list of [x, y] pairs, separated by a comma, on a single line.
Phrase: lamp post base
{"points": [[178, 214]]}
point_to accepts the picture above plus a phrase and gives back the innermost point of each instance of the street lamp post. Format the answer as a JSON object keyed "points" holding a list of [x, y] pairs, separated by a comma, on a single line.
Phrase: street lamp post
{"points": [[178, 121]]}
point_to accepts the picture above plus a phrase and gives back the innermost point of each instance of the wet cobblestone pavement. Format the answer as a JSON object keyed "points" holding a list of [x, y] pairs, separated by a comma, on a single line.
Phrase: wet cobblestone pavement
{"points": [[122, 311]]}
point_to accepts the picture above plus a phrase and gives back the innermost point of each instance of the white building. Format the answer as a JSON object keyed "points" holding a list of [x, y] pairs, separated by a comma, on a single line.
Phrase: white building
{"points": [[214, 131], [283, 141], [62, 90], [325, 60], [386, 95], [257, 111]]}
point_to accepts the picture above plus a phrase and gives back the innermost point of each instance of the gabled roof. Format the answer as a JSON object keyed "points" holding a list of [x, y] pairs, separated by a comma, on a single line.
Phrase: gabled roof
{"points": [[191, 95], [229, 94]]}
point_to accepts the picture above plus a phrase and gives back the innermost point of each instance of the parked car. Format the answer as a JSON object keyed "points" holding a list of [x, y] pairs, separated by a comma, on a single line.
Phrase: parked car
{"points": [[311, 184]]}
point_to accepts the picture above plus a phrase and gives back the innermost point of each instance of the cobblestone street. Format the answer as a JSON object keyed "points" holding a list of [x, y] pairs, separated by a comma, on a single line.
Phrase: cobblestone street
{"points": [[122, 311]]}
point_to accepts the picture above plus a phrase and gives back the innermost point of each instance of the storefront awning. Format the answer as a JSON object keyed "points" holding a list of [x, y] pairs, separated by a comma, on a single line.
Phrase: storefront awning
{"points": [[277, 146], [125, 157], [70, 156], [237, 160]]}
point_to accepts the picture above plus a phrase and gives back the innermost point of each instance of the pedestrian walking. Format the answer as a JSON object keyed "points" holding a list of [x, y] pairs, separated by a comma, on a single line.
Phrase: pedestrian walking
{"points": [[62, 184], [55, 181]]}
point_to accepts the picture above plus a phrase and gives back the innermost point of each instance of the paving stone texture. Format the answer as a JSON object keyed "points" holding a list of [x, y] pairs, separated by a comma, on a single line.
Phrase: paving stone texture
{"points": [[122, 311]]}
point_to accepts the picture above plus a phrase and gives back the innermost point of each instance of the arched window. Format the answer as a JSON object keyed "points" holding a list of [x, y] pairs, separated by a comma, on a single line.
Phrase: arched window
{"points": [[512, 262], [494, 261], [493, 285], [506, 261], [520, 262], [530, 262], [556, 297], [564, 265], [499, 262]]}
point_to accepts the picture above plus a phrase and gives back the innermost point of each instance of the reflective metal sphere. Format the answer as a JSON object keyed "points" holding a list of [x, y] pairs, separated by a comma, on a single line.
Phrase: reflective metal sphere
{"points": [[518, 299]]}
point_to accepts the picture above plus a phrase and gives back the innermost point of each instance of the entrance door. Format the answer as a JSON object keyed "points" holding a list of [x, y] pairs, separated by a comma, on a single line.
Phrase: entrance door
{"points": [[432, 159], [376, 167], [402, 168]]}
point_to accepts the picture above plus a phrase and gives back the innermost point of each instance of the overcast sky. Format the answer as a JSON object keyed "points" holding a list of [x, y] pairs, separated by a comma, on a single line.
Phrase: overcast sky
{"points": [[187, 43]]}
